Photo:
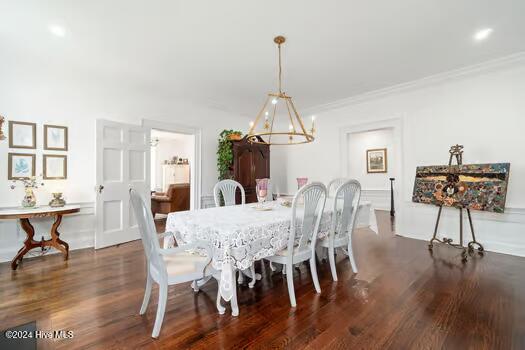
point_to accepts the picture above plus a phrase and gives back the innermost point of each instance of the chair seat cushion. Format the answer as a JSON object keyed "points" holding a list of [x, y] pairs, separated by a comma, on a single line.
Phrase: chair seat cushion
{"points": [[183, 263]]}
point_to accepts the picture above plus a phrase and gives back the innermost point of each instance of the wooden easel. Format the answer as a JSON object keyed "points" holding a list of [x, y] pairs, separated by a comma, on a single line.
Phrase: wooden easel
{"points": [[456, 151]]}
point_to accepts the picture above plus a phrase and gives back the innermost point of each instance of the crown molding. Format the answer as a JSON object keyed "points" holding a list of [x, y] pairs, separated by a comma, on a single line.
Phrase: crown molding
{"points": [[484, 67]]}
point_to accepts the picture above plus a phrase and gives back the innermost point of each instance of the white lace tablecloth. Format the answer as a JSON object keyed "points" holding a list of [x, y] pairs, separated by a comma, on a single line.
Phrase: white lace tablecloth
{"points": [[240, 234]]}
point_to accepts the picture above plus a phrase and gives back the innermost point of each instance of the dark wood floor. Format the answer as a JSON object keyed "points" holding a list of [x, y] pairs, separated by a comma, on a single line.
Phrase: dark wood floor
{"points": [[402, 298]]}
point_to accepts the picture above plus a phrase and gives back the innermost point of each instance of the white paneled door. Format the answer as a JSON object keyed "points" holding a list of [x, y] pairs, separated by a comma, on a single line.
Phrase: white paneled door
{"points": [[123, 161]]}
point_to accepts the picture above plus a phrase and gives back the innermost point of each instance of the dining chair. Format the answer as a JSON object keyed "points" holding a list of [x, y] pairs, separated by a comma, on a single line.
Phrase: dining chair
{"points": [[334, 184], [171, 266], [227, 188], [303, 234], [345, 208]]}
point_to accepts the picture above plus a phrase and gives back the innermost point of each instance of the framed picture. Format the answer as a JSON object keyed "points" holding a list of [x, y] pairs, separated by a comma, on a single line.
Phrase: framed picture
{"points": [[55, 138], [20, 166], [55, 167], [376, 161], [22, 135]]}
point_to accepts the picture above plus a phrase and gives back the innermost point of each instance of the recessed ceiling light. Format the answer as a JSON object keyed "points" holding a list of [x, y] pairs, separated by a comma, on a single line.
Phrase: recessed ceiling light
{"points": [[57, 30], [483, 34]]}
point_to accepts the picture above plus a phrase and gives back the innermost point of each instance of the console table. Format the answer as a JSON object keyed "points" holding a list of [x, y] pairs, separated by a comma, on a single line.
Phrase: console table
{"points": [[24, 214]]}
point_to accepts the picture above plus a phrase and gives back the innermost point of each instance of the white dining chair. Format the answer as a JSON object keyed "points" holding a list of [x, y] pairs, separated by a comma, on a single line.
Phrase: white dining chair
{"points": [[334, 184], [167, 267], [345, 207], [227, 188], [303, 234]]}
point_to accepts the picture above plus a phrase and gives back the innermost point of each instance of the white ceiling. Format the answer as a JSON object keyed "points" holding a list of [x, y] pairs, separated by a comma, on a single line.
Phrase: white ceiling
{"points": [[222, 53]]}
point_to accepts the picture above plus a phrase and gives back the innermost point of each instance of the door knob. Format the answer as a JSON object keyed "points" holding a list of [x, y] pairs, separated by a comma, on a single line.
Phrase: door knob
{"points": [[100, 188]]}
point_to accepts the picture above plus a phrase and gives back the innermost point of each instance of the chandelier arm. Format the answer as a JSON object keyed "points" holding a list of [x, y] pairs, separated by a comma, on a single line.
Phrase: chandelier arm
{"points": [[290, 114], [297, 117], [271, 125], [259, 115]]}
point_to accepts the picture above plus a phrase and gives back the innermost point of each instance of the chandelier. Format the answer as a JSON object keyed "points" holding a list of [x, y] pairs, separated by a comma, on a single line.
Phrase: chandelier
{"points": [[281, 124]]}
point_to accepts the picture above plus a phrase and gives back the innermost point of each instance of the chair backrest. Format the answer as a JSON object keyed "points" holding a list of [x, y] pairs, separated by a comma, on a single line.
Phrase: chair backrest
{"points": [[227, 188], [313, 198], [334, 184], [148, 233], [346, 204]]}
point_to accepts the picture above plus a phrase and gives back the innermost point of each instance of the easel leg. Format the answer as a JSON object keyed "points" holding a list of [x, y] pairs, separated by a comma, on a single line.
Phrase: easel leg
{"points": [[431, 243], [464, 254], [473, 242]]}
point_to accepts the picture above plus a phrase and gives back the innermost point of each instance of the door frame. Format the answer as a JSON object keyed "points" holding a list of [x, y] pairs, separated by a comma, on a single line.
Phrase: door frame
{"points": [[196, 175]]}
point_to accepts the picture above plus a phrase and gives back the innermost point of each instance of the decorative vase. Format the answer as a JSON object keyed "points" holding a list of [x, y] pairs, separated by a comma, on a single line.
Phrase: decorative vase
{"points": [[301, 181], [57, 200], [29, 200]]}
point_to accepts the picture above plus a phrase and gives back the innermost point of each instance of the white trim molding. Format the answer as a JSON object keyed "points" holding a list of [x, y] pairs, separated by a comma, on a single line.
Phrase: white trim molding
{"points": [[472, 70]]}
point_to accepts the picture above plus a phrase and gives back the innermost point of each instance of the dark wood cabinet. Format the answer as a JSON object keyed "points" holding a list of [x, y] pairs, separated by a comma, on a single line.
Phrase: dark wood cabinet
{"points": [[250, 162]]}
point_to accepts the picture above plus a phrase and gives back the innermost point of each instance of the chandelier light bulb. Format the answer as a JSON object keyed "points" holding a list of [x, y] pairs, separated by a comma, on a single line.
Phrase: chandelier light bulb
{"points": [[274, 101], [251, 124]]}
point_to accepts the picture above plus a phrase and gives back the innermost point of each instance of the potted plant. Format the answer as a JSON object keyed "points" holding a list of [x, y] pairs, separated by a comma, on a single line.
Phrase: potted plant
{"points": [[225, 152]]}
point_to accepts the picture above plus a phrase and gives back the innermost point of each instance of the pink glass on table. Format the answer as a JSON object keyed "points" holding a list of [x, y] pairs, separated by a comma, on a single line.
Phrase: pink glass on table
{"points": [[262, 189], [301, 181]]}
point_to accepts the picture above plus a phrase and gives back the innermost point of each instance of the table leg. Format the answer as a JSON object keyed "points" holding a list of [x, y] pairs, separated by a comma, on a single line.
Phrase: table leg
{"points": [[56, 242], [233, 301], [29, 243]]}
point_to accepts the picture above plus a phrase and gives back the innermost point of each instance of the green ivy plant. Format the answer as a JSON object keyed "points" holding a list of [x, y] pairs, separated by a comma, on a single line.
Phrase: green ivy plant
{"points": [[225, 153]]}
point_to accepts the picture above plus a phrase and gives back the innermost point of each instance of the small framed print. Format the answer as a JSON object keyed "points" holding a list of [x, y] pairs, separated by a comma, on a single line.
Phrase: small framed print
{"points": [[376, 161], [20, 166], [55, 167], [22, 135], [55, 138]]}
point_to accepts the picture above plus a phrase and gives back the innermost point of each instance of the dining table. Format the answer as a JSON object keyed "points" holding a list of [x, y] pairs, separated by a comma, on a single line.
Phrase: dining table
{"points": [[239, 235]]}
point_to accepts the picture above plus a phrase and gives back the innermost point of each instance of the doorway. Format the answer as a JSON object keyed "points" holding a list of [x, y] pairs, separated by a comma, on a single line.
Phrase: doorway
{"points": [[172, 164]]}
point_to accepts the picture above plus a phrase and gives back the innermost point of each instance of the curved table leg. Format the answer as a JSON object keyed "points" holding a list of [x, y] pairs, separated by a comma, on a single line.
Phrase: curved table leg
{"points": [[29, 243], [56, 242]]}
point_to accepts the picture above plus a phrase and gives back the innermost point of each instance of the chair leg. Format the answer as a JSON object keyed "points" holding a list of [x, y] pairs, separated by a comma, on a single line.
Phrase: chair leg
{"points": [[313, 269], [331, 257], [220, 308], [161, 308], [351, 256], [147, 295], [289, 280], [195, 286]]}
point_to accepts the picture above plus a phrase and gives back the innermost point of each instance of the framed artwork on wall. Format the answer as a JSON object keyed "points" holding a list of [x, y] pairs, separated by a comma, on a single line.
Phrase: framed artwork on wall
{"points": [[55, 138], [376, 160], [22, 135], [55, 167], [20, 166]]}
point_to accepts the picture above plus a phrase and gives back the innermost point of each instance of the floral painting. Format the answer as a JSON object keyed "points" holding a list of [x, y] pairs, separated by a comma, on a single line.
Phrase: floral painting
{"points": [[21, 166], [472, 186]]}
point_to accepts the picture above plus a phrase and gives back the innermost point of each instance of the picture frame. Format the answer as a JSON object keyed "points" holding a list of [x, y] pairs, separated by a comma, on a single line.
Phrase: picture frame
{"points": [[21, 166], [376, 160], [54, 167], [22, 135], [55, 138]]}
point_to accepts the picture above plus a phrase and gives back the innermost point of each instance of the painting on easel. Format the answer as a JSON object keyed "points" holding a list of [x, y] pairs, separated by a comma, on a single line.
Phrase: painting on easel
{"points": [[470, 186]]}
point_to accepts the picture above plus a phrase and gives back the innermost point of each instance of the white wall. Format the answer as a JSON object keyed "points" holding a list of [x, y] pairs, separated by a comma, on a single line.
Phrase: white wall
{"points": [[482, 110], [30, 92]]}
